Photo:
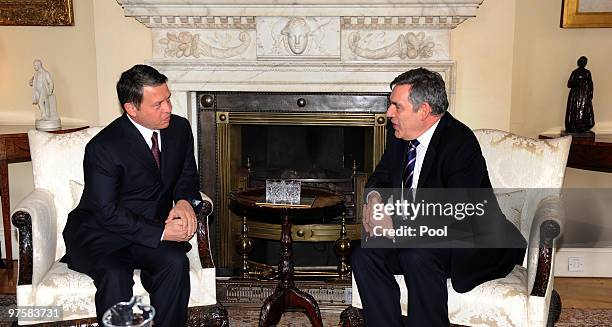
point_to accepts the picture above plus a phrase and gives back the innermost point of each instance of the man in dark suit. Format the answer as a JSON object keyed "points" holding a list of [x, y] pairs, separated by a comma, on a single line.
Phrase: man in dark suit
{"points": [[137, 207], [429, 149]]}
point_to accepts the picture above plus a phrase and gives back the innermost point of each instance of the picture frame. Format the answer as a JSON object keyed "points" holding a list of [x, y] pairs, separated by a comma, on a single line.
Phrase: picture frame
{"points": [[36, 13], [573, 17]]}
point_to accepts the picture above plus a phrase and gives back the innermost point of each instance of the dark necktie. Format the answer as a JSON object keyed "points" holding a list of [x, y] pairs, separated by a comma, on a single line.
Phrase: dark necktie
{"points": [[155, 149], [410, 163]]}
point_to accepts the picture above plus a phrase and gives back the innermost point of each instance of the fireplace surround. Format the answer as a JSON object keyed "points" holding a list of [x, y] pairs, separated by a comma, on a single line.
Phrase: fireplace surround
{"points": [[293, 46]]}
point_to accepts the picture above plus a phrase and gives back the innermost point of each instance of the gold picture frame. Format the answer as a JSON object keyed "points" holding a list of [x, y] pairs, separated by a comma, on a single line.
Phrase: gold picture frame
{"points": [[36, 13], [572, 18]]}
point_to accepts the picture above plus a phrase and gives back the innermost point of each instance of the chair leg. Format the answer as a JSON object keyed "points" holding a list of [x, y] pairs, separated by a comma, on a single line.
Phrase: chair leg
{"points": [[555, 309], [351, 317]]}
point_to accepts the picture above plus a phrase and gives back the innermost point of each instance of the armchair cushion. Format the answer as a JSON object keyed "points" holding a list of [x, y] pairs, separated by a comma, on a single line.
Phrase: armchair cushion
{"points": [[500, 302], [74, 291]]}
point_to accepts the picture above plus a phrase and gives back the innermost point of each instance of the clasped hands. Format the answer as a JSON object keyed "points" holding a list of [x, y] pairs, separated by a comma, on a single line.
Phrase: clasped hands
{"points": [[369, 223], [181, 223]]}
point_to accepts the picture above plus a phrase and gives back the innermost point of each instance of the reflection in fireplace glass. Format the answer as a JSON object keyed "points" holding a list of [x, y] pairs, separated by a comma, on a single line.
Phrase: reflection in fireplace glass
{"points": [[302, 151]]}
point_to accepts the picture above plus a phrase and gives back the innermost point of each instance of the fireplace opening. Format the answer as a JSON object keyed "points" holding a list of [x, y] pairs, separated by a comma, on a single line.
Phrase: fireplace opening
{"points": [[303, 151]]}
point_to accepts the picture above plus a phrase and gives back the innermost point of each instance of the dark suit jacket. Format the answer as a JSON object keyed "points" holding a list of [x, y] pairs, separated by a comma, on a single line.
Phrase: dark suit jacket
{"points": [[454, 160], [126, 198]]}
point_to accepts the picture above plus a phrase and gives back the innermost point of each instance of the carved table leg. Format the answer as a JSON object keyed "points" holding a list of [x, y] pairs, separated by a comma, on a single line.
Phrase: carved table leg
{"points": [[300, 299], [286, 295]]}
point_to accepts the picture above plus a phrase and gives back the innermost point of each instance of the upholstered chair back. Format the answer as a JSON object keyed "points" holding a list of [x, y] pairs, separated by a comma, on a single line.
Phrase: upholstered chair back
{"points": [[523, 171], [57, 159]]}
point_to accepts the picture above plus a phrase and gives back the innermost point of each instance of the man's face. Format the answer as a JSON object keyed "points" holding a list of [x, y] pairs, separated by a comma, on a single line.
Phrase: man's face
{"points": [[154, 110], [407, 123], [37, 65]]}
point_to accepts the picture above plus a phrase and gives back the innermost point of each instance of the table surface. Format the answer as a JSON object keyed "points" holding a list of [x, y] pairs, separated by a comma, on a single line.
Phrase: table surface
{"points": [[324, 200], [588, 153], [19, 129], [600, 138]]}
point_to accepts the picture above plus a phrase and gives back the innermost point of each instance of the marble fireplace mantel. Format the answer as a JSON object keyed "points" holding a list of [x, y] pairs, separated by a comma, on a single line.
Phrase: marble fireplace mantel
{"points": [[297, 45]]}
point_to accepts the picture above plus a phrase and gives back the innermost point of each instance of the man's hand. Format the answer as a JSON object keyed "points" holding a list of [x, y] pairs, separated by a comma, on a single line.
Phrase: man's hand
{"points": [[185, 216], [175, 231], [369, 222]]}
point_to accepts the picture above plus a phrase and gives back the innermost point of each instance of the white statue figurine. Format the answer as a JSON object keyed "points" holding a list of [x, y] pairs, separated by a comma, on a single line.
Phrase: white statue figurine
{"points": [[42, 94]]}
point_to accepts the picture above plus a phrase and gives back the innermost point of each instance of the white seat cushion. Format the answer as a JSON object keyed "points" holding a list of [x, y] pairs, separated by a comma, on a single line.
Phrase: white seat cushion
{"points": [[500, 302], [75, 291]]}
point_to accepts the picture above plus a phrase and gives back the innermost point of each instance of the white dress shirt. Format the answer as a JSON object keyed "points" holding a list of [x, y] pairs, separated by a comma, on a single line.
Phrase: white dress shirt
{"points": [[147, 134], [421, 149]]}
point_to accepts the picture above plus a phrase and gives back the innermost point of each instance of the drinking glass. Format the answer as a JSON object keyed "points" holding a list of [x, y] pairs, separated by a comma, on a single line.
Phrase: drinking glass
{"points": [[133, 313]]}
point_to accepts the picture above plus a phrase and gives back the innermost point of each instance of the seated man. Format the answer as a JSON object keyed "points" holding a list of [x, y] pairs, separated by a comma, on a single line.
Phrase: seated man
{"points": [[135, 169], [430, 149]]}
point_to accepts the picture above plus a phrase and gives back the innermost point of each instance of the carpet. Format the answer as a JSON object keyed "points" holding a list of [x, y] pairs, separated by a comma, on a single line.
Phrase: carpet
{"points": [[247, 318]]}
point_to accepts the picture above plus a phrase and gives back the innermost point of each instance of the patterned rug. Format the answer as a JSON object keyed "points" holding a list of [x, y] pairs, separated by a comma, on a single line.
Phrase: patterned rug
{"points": [[248, 318]]}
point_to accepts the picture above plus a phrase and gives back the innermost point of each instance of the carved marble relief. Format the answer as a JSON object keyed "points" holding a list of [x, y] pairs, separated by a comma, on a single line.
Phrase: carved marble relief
{"points": [[203, 44], [298, 37], [395, 45]]}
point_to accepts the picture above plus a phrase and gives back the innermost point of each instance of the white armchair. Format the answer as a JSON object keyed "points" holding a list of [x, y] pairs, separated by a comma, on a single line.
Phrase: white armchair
{"points": [[527, 175], [57, 161]]}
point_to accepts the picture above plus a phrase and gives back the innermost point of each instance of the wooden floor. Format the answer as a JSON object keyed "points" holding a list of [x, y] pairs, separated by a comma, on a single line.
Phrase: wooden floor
{"points": [[582, 293], [585, 293], [8, 279]]}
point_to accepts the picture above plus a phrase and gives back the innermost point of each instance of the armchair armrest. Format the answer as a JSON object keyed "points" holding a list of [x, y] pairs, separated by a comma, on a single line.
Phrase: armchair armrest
{"points": [[548, 221], [203, 233], [35, 219]]}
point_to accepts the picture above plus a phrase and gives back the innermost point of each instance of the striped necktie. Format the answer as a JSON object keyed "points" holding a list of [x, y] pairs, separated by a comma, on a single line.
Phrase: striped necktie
{"points": [[410, 163], [155, 149]]}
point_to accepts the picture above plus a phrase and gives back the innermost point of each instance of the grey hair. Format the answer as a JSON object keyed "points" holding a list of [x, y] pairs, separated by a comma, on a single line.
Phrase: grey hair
{"points": [[425, 87]]}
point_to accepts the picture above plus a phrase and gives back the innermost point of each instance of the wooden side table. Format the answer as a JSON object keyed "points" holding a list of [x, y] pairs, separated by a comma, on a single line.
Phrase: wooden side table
{"points": [[589, 153], [286, 295], [15, 147]]}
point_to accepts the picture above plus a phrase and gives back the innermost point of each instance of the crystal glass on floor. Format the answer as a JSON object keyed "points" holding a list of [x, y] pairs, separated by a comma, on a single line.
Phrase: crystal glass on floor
{"points": [[133, 313]]}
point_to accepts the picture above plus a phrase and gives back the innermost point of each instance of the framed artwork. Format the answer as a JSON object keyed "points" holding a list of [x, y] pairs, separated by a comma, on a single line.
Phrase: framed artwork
{"points": [[36, 13], [586, 13]]}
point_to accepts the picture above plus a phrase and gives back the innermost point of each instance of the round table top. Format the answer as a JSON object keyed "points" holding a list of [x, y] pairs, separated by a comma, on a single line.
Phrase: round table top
{"points": [[252, 201]]}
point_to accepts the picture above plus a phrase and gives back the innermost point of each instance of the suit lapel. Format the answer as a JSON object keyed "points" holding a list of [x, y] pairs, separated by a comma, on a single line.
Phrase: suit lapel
{"points": [[137, 146], [430, 155], [403, 151]]}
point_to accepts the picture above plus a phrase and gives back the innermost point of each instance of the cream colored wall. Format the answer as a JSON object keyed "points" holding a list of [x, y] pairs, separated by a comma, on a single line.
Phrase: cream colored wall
{"points": [[544, 57], [67, 52], [85, 61], [482, 47], [120, 43]]}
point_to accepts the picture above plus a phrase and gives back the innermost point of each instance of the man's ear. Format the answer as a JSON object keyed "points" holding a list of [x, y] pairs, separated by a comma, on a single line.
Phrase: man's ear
{"points": [[130, 108], [424, 110]]}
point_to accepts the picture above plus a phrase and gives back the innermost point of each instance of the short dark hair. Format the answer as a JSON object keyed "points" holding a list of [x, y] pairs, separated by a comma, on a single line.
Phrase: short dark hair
{"points": [[425, 86], [130, 85]]}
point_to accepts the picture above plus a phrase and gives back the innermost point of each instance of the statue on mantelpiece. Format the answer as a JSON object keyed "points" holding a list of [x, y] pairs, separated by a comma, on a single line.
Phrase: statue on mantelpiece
{"points": [[42, 94], [579, 116]]}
